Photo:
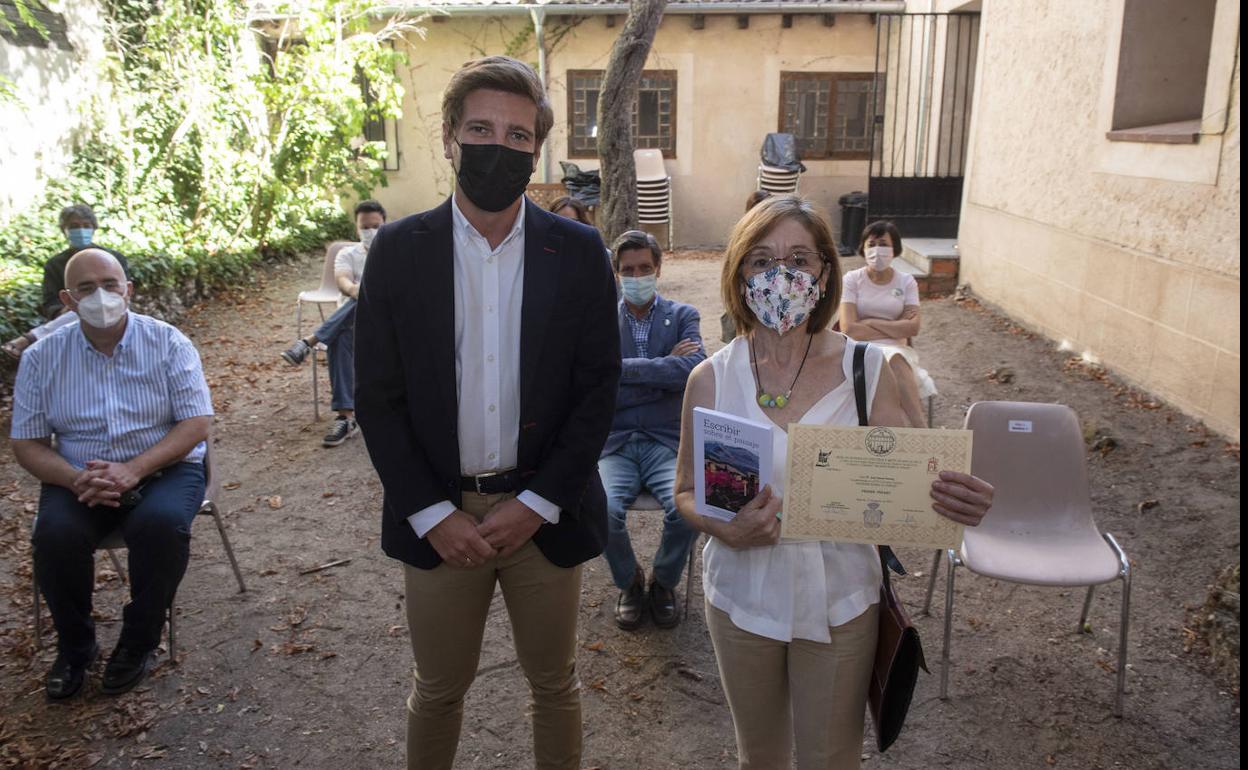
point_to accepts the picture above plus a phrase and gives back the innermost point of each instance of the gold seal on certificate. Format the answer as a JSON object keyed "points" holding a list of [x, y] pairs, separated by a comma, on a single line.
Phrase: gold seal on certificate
{"points": [[870, 484]]}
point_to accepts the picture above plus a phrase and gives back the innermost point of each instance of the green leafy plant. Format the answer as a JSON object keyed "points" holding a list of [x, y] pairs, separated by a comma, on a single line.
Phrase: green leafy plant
{"points": [[220, 140]]}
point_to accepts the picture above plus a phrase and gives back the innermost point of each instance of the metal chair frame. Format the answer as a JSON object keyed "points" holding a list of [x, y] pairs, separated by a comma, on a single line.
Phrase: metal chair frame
{"points": [[956, 559], [1124, 574]]}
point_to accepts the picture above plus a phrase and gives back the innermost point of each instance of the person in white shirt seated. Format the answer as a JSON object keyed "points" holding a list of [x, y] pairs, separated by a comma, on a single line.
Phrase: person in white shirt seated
{"points": [[793, 623], [338, 331], [880, 305], [125, 397]]}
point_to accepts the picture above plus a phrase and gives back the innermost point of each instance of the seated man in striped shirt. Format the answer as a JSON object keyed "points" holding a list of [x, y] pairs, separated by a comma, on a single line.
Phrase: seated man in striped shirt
{"points": [[125, 397]]}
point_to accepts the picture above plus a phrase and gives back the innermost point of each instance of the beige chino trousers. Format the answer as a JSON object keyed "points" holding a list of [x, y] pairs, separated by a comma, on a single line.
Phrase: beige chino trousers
{"points": [[801, 692], [446, 614]]}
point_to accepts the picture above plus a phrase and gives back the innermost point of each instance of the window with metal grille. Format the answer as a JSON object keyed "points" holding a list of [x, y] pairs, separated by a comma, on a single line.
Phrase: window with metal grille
{"points": [[379, 129], [830, 113], [654, 119]]}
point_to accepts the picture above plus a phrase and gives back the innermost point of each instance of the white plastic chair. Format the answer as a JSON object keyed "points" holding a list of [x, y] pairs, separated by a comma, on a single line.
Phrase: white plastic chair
{"points": [[777, 181], [1040, 530], [114, 542], [654, 190], [325, 293]]}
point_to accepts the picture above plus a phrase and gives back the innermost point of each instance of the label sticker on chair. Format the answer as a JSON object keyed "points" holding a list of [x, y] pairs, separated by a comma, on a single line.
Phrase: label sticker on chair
{"points": [[1020, 426]]}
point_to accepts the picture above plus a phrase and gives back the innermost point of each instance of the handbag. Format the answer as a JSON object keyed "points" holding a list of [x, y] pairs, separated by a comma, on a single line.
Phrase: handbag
{"points": [[898, 652]]}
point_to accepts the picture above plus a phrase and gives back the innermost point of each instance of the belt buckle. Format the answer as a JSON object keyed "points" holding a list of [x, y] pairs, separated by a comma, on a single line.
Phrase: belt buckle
{"points": [[476, 481]]}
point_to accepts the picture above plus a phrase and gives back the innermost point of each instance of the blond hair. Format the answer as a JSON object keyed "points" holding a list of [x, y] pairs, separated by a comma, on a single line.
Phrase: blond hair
{"points": [[750, 230], [497, 73]]}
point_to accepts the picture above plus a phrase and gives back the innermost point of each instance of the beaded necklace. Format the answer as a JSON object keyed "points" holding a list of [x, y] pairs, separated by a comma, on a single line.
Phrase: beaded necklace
{"points": [[765, 399]]}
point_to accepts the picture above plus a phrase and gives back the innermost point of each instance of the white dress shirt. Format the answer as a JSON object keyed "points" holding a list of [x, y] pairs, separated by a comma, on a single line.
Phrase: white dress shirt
{"points": [[489, 290]]}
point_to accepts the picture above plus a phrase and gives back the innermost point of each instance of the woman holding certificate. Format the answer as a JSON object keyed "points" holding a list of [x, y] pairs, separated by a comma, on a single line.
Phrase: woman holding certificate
{"points": [[793, 623], [880, 304]]}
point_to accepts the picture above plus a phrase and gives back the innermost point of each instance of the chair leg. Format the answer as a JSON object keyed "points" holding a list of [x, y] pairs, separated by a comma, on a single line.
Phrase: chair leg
{"points": [[229, 551], [951, 557], [112, 556], [298, 320], [1087, 609], [1124, 574], [38, 602], [931, 584], [930, 399]]}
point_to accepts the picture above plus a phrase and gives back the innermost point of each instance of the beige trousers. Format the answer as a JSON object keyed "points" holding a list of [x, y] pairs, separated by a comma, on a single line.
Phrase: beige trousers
{"points": [[446, 613], [809, 693]]}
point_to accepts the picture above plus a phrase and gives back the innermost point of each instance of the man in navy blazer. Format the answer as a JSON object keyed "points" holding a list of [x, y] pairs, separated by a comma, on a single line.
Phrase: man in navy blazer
{"points": [[487, 367], [661, 342]]}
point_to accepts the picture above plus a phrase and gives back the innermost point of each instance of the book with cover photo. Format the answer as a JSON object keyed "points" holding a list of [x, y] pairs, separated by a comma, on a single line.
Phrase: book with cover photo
{"points": [[732, 457]]}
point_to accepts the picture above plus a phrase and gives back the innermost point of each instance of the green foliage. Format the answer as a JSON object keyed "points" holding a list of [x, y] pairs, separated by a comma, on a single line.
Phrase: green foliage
{"points": [[217, 143]]}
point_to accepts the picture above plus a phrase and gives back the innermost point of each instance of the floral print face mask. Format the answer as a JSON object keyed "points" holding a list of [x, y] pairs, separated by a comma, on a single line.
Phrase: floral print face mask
{"points": [[782, 297]]}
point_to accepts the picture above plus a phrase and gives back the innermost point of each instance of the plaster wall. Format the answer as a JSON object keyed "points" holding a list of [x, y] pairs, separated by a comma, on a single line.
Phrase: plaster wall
{"points": [[1128, 253], [51, 86], [727, 99]]}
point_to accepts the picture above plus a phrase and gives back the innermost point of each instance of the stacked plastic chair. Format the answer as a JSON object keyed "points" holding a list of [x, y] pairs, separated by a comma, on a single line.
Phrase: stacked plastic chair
{"points": [[777, 181], [654, 190], [781, 165]]}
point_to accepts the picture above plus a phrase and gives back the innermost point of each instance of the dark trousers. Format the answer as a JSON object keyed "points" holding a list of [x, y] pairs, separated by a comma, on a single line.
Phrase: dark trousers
{"points": [[157, 532]]}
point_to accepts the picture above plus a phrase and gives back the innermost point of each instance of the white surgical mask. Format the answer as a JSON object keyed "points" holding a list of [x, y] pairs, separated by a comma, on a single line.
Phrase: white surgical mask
{"points": [[879, 257], [366, 237], [102, 309]]}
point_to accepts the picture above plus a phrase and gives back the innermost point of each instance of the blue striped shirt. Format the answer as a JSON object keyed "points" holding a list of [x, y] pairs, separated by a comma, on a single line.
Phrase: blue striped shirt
{"points": [[115, 407]]}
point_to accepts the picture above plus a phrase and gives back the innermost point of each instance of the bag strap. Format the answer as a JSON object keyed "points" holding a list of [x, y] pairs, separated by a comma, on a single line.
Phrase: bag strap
{"points": [[888, 559], [860, 380]]}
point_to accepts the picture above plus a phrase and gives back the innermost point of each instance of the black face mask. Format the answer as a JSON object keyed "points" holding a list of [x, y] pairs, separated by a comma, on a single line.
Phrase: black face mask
{"points": [[493, 176]]}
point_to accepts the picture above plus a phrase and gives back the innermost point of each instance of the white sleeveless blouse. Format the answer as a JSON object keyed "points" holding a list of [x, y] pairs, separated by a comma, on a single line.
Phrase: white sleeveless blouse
{"points": [[794, 589]]}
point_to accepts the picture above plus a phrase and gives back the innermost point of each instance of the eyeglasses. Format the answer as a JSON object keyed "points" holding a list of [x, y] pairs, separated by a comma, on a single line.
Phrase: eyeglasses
{"points": [[86, 289], [762, 260]]}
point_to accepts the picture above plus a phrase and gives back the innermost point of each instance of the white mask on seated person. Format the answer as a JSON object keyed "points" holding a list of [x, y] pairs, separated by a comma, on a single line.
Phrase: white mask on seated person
{"points": [[366, 237], [102, 309], [879, 257]]}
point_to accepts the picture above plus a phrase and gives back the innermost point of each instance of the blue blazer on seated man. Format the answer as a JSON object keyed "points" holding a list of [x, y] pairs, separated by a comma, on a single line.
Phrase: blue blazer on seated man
{"points": [[660, 343]]}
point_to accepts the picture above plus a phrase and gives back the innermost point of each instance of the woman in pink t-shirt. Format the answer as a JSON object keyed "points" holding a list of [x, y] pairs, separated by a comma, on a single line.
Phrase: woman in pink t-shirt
{"points": [[880, 304]]}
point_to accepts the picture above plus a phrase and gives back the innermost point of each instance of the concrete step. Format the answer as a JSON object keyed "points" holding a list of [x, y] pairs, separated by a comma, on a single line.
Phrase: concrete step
{"points": [[921, 252], [933, 262]]}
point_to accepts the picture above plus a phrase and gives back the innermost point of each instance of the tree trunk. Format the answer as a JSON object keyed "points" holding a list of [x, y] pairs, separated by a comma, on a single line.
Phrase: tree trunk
{"points": [[616, 103]]}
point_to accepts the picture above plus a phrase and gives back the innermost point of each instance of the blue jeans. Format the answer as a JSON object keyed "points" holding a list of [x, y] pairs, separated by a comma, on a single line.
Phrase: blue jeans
{"points": [[338, 334], [643, 462], [157, 532]]}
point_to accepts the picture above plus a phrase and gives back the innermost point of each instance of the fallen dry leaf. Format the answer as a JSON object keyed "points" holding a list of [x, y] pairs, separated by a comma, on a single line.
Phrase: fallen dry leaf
{"points": [[275, 501]]}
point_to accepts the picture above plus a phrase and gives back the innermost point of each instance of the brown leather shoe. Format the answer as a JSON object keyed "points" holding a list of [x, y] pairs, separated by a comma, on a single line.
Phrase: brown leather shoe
{"points": [[630, 608], [663, 606]]}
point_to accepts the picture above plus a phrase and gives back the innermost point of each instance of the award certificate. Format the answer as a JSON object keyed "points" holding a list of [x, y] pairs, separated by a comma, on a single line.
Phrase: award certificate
{"points": [[870, 484]]}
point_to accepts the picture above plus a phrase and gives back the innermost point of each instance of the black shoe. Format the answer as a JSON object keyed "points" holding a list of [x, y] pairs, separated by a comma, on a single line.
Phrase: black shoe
{"points": [[297, 351], [344, 428], [630, 608], [127, 666], [64, 680], [663, 606]]}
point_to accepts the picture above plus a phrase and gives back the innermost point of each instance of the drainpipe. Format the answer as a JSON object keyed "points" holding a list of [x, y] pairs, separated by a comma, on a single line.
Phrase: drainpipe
{"points": [[539, 32]]}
